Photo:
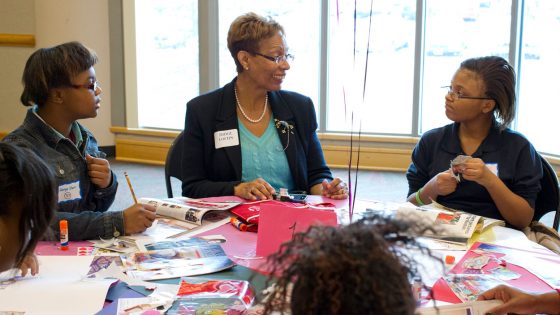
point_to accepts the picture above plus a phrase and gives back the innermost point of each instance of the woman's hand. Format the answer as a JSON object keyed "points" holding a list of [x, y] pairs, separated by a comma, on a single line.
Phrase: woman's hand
{"points": [[336, 189], [29, 263], [476, 170], [444, 184], [515, 301], [99, 171], [258, 189]]}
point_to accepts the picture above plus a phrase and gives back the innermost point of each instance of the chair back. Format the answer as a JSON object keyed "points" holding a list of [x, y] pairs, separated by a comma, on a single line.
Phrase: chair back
{"points": [[548, 199], [173, 163]]}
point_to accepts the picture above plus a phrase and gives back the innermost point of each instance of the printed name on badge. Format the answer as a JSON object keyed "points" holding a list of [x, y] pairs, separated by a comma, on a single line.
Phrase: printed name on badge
{"points": [[69, 192], [226, 138]]}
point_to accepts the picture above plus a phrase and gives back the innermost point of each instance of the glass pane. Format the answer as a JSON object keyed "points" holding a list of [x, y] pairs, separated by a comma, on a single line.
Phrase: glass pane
{"points": [[457, 30], [539, 65], [385, 62], [167, 61], [301, 22]]}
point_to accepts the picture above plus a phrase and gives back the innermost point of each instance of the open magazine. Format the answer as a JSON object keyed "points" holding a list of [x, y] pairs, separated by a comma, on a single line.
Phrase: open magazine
{"points": [[176, 258], [452, 226], [193, 212]]}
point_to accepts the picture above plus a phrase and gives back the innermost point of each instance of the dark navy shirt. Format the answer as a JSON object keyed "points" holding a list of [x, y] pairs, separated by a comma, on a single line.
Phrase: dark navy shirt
{"points": [[509, 153]]}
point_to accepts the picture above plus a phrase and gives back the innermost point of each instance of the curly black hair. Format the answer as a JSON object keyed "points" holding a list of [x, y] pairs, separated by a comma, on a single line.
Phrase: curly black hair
{"points": [[362, 268]]}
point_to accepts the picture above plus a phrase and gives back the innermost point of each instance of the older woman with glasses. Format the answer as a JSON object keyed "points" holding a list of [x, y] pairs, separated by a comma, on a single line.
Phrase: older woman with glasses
{"points": [[477, 164], [61, 87], [249, 138]]}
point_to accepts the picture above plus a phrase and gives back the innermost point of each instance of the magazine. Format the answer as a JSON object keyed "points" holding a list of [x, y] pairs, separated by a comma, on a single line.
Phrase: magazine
{"points": [[194, 212], [452, 226], [172, 259]]}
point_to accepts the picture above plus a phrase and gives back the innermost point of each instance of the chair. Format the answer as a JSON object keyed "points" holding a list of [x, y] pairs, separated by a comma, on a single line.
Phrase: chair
{"points": [[548, 198], [173, 163]]}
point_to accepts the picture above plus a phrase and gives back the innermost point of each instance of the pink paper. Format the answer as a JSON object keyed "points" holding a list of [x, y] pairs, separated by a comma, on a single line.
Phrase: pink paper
{"points": [[278, 224], [53, 248]]}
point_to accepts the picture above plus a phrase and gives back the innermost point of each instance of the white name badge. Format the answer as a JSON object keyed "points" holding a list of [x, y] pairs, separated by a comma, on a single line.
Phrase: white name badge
{"points": [[493, 167], [226, 138], [69, 192]]}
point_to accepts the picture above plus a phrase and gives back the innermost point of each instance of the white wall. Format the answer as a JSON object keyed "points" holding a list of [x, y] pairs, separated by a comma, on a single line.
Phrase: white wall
{"points": [[54, 22], [16, 17], [59, 21]]}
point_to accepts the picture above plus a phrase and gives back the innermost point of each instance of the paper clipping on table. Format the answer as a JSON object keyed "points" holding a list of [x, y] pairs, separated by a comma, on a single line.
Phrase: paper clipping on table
{"points": [[171, 259], [59, 288]]}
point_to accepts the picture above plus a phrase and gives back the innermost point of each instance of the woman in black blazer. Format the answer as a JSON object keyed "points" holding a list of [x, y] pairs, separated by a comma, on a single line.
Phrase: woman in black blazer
{"points": [[249, 136]]}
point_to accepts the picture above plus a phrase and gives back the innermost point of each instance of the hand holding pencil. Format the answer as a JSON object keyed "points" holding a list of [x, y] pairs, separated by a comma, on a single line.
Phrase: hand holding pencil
{"points": [[138, 217]]}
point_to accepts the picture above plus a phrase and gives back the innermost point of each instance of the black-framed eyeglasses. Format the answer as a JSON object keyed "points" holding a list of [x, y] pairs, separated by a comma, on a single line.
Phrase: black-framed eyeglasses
{"points": [[457, 95], [90, 86], [276, 59]]}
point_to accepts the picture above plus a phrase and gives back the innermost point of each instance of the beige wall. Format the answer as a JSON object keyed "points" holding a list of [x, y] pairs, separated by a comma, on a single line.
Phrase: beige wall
{"points": [[54, 22]]}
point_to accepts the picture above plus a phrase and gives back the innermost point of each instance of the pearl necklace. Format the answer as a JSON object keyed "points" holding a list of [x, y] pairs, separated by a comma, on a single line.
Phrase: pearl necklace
{"points": [[254, 121]]}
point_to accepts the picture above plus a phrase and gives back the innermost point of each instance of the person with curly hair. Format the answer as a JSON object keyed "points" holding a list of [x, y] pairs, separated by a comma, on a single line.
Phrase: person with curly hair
{"points": [[363, 268]]}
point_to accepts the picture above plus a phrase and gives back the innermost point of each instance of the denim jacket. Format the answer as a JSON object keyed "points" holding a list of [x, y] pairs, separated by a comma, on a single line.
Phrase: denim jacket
{"points": [[86, 209]]}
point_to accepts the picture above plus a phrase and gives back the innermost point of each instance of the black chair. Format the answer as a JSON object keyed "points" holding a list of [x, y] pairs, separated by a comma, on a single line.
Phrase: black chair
{"points": [[548, 198], [173, 163]]}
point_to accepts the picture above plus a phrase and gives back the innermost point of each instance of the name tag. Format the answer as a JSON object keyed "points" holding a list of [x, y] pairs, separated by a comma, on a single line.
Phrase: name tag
{"points": [[69, 192], [226, 138], [493, 167]]}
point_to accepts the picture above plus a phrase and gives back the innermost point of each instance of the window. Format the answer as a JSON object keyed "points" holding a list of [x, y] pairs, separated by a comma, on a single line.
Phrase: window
{"points": [[294, 16], [167, 61], [453, 33], [381, 96], [389, 76], [537, 115]]}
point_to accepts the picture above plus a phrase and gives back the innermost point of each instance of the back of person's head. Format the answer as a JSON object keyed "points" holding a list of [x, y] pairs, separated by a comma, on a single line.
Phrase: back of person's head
{"points": [[498, 77], [361, 268], [247, 31], [28, 195], [53, 67]]}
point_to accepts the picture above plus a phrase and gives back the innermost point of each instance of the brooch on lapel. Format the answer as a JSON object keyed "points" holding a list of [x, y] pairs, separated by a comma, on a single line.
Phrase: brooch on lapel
{"points": [[285, 128]]}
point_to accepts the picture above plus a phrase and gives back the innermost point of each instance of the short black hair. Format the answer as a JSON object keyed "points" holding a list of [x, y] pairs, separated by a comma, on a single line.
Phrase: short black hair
{"points": [[53, 67], [27, 185]]}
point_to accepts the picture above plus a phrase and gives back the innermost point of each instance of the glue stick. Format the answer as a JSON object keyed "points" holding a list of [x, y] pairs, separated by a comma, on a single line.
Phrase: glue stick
{"points": [[63, 234]]}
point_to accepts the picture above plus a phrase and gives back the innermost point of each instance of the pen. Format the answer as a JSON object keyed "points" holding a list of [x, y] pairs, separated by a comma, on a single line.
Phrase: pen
{"points": [[130, 186], [238, 224]]}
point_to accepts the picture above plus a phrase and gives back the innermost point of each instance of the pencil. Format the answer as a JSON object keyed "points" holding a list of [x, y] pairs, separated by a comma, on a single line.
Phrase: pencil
{"points": [[130, 186]]}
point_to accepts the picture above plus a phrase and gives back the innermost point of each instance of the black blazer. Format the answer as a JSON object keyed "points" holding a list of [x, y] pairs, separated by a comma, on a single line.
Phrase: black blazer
{"points": [[208, 171]]}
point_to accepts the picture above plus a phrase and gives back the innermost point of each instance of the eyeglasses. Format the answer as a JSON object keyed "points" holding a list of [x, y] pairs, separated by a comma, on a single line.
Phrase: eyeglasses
{"points": [[90, 86], [457, 95], [277, 59]]}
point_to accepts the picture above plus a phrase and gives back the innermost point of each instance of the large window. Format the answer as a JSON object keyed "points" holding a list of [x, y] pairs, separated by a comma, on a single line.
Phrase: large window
{"points": [[167, 61], [383, 61], [294, 16], [537, 116], [457, 30], [371, 66]]}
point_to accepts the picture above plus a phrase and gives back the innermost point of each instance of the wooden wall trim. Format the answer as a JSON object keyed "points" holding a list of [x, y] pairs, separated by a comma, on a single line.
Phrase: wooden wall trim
{"points": [[26, 40], [379, 153]]}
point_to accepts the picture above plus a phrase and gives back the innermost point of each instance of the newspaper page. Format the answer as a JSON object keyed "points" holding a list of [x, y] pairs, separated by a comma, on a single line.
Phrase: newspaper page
{"points": [[451, 226]]}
